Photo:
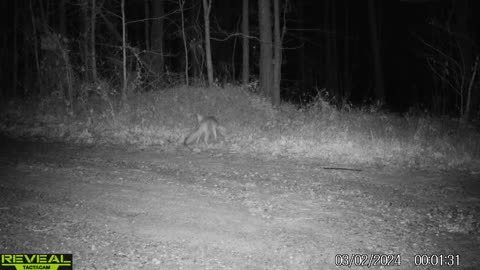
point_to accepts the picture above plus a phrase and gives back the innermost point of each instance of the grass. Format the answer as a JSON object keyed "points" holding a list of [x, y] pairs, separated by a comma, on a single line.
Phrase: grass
{"points": [[320, 131]]}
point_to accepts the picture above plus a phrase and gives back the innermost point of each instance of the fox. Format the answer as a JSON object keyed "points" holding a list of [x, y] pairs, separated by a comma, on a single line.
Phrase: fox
{"points": [[206, 125]]}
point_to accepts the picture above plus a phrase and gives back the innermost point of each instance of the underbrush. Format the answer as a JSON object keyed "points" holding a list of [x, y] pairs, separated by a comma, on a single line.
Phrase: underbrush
{"points": [[165, 117]]}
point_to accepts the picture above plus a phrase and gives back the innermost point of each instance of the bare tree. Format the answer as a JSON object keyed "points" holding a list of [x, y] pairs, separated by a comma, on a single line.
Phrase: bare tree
{"points": [[196, 43], [93, 56], [15, 49], [35, 39], [181, 4], [85, 45], [157, 34], [301, 63], [68, 67], [277, 61], [452, 58], [265, 27], [469, 58], [124, 53], [468, 104], [448, 66], [207, 6], [89, 14], [245, 48]]}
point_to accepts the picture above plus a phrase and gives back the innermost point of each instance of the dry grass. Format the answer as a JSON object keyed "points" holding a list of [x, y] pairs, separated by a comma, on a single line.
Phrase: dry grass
{"points": [[319, 131]]}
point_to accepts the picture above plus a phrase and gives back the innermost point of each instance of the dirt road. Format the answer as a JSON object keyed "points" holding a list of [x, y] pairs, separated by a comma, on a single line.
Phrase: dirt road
{"points": [[119, 207]]}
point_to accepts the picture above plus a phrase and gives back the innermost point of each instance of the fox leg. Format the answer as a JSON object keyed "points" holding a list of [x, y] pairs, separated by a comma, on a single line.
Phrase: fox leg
{"points": [[215, 133], [207, 135], [198, 138]]}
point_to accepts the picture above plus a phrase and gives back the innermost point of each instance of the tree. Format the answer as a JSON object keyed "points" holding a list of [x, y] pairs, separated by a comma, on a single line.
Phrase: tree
{"points": [[124, 53], [469, 59], [15, 48], [85, 23], [265, 26], [277, 61], [93, 57], [245, 48], [181, 4], [207, 6], [453, 61], [157, 36], [301, 71]]}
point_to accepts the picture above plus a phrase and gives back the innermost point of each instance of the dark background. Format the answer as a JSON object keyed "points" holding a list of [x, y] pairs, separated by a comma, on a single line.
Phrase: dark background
{"points": [[344, 68]]}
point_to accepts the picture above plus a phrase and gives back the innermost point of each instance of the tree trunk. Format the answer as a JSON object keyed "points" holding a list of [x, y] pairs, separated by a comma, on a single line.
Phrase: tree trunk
{"points": [[265, 66], [245, 48], [347, 83], [301, 72], [468, 102], [35, 40], [15, 49], [93, 54], [277, 66], [196, 44], [467, 56], [207, 5], [68, 71], [377, 55], [146, 6], [4, 69], [124, 54], [181, 3], [85, 44], [158, 36], [28, 77]]}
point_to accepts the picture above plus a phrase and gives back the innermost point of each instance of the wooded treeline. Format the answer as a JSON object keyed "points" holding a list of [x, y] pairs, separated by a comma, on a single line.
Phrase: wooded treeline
{"points": [[57, 44], [68, 46]]}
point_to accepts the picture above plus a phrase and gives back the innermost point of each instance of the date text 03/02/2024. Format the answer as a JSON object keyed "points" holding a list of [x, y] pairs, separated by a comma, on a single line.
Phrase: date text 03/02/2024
{"points": [[368, 260]]}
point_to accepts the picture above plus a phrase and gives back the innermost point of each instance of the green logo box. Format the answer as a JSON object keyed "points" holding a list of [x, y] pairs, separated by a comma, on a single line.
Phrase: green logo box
{"points": [[36, 261]]}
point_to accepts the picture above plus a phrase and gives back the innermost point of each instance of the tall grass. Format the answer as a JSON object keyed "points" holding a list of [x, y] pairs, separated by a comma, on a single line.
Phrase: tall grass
{"points": [[351, 136]]}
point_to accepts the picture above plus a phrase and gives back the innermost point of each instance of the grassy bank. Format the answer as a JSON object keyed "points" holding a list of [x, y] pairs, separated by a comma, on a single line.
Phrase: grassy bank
{"points": [[354, 136]]}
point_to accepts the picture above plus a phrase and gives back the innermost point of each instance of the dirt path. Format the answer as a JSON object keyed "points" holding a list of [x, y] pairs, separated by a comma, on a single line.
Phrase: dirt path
{"points": [[131, 208]]}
